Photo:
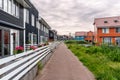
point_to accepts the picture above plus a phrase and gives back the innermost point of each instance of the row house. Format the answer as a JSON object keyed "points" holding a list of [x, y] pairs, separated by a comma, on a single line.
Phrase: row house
{"points": [[52, 35], [31, 20], [80, 36], [43, 31], [20, 25], [107, 30], [89, 36], [11, 25]]}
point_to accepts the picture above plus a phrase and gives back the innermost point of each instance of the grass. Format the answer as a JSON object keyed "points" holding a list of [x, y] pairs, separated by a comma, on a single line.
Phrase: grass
{"points": [[103, 61]]}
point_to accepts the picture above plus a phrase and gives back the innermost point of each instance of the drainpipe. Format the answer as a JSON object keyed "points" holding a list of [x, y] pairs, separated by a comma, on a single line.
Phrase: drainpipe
{"points": [[24, 21]]}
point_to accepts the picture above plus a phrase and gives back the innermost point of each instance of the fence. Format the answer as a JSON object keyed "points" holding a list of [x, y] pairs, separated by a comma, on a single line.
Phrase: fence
{"points": [[16, 66]]}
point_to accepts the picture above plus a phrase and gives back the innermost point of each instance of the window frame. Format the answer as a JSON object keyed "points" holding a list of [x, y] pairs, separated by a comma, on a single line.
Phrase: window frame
{"points": [[105, 30], [117, 29]]}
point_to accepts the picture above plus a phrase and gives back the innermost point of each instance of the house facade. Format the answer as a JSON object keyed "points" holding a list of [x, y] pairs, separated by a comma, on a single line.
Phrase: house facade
{"points": [[31, 25], [89, 36], [43, 31], [52, 35], [107, 30], [11, 25], [20, 25], [80, 36]]}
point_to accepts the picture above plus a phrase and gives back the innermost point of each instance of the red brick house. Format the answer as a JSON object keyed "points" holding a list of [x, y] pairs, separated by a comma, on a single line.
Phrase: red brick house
{"points": [[107, 30]]}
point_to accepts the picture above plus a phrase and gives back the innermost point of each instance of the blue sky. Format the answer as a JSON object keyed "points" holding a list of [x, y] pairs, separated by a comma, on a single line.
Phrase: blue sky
{"points": [[75, 15]]}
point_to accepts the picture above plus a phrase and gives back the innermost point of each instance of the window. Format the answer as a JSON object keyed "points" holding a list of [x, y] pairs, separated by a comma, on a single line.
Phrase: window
{"points": [[33, 20], [117, 30], [1, 4], [107, 40], [9, 6], [29, 38], [13, 8], [27, 15], [34, 39], [17, 10], [5, 5], [105, 30]]}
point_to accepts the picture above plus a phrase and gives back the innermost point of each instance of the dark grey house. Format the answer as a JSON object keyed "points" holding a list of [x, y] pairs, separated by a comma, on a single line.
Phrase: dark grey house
{"points": [[31, 25], [43, 32], [52, 35], [11, 25]]}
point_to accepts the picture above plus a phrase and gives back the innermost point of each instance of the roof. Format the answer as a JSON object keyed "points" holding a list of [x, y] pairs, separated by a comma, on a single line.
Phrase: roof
{"points": [[82, 33], [107, 22], [44, 22]]}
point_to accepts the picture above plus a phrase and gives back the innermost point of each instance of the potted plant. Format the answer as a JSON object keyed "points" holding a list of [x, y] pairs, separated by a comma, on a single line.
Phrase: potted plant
{"points": [[18, 49]]}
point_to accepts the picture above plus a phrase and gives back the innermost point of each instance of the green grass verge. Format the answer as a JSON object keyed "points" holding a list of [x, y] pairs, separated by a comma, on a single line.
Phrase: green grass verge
{"points": [[102, 61]]}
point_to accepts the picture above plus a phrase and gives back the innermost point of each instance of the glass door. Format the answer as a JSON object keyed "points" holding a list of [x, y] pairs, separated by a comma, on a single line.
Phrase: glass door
{"points": [[6, 42]]}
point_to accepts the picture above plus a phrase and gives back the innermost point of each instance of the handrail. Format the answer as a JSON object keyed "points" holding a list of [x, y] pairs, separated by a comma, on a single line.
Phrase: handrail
{"points": [[16, 66]]}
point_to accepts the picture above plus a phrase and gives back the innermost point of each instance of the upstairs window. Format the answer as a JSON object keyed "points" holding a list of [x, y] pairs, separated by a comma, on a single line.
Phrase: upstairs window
{"points": [[27, 16], [105, 30], [33, 20], [1, 4], [10, 6], [117, 30], [5, 5], [17, 10]]}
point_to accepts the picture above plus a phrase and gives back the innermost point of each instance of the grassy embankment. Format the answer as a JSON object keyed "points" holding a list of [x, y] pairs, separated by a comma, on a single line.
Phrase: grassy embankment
{"points": [[103, 61]]}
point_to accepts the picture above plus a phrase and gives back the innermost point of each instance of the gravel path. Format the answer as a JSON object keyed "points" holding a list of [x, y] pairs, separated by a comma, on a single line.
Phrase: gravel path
{"points": [[63, 65]]}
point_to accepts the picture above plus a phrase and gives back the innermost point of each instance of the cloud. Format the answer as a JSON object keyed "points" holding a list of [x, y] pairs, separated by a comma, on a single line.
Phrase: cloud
{"points": [[75, 15]]}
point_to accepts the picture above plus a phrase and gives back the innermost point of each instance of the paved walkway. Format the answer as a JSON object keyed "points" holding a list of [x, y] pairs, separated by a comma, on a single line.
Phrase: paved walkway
{"points": [[63, 65]]}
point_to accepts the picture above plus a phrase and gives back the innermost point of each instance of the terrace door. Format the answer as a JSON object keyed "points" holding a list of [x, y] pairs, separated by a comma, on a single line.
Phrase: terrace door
{"points": [[4, 42]]}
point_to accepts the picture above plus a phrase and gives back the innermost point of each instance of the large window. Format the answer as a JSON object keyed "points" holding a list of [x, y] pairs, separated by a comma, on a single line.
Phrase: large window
{"points": [[27, 15], [1, 4], [5, 5], [17, 10], [117, 30], [10, 6], [105, 30], [33, 20], [4, 42], [107, 40]]}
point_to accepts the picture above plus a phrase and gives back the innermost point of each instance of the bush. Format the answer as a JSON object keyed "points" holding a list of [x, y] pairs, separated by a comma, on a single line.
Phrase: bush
{"points": [[103, 61]]}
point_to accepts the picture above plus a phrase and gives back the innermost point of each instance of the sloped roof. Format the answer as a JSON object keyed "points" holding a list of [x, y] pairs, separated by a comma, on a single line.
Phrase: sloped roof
{"points": [[107, 22], [82, 33]]}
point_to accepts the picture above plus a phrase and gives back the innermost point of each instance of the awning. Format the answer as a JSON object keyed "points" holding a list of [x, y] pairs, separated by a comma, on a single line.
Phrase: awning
{"points": [[11, 25]]}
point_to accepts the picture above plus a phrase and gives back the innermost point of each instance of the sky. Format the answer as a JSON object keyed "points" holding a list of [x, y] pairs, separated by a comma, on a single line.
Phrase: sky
{"points": [[70, 16]]}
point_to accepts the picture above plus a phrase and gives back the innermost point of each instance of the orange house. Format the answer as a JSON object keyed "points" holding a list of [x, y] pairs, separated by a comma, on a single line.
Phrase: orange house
{"points": [[107, 30], [90, 36]]}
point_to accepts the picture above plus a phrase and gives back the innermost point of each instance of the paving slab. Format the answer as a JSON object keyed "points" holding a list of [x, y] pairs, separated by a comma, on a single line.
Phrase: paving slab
{"points": [[63, 65]]}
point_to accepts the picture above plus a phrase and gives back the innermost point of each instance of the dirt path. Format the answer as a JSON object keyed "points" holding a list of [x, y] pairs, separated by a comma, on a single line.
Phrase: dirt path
{"points": [[63, 65]]}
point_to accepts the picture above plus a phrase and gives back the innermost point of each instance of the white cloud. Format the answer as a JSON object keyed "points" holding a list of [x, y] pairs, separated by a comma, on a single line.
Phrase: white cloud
{"points": [[75, 15]]}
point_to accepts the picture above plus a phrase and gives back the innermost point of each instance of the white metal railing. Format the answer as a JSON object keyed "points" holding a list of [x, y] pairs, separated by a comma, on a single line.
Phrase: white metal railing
{"points": [[16, 66]]}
